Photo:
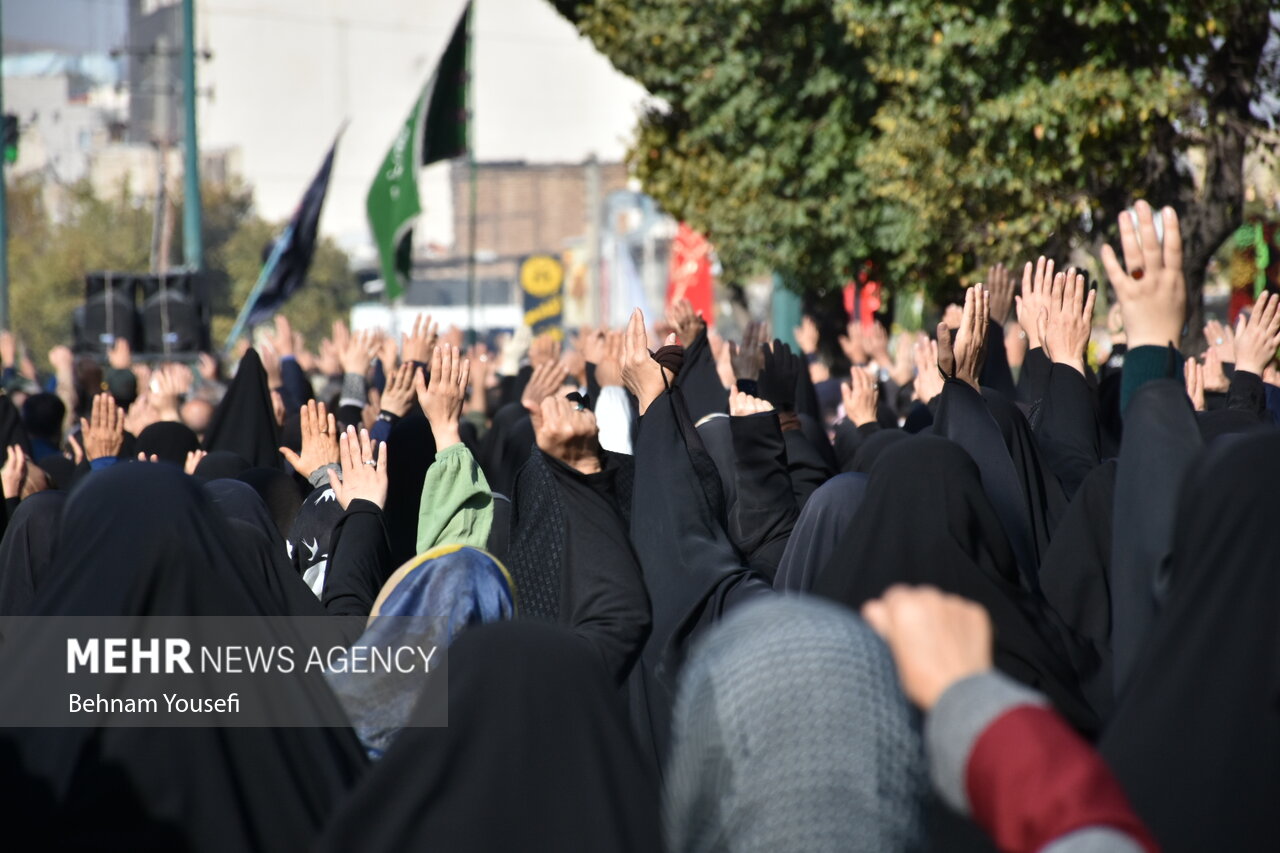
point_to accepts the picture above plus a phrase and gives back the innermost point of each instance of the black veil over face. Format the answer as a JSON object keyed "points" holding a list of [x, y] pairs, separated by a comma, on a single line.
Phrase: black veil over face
{"points": [[26, 552], [925, 519], [1195, 739], [142, 540], [538, 756]]}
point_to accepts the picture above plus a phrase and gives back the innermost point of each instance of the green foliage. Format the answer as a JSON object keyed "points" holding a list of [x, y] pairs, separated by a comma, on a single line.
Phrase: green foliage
{"points": [[929, 138], [48, 260]]}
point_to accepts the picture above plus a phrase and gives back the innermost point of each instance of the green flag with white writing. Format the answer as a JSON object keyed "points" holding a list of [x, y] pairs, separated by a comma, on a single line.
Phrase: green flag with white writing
{"points": [[437, 129]]}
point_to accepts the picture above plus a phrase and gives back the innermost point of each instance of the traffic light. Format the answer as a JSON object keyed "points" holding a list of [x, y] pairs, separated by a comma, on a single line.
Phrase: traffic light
{"points": [[9, 137]]}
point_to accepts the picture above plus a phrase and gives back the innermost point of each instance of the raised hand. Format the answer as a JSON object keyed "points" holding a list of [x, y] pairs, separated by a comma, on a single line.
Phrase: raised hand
{"points": [[282, 340], [853, 343], [1037, 282], [807, 335], [1222, 340], [363, 477], [328, 362], [193, 461], [543, 349], [568, 431], [14, 472], [1000, 286], [643, 376], [1150, 286], [936, 639], [103, 431], [120, 356], [970, 347], [742, 404], [398, 394], [1215, 376], [548, 377], [686, 322], [1193, 374], [319, 439], [166, 388], [1258, 335], [609, 366], [270, 363], [358, 352], [1065, 322], [928, 382], [876, 340], [748, 360], [861, 397], [442, 400], [388, 353]]}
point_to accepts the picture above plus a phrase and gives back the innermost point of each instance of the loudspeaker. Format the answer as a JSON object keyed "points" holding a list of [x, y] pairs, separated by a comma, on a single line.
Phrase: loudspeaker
{"points": [[109, 312], [173, 314]]}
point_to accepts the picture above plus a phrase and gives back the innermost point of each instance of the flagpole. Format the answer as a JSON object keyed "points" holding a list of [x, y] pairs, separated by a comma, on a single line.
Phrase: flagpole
{"points": [[277, 251], [472, 332]]}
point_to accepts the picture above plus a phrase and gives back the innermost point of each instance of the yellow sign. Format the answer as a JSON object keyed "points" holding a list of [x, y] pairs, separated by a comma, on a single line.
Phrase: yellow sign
{"points": [[541, 276]]}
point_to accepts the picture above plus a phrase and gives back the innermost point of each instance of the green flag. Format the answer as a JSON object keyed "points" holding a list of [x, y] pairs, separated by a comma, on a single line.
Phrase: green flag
{"points": [[437, 129]]}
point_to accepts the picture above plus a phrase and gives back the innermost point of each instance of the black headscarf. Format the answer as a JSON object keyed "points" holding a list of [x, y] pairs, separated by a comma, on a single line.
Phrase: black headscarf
{"points": [[870, 449], [26, 552], [309, 536], [12, 430], [279, 491], [141, 540], [1195, 741], [61, 470], [925, 519], [411, 448], [244, 422], [820, 527], [170, 441], [568, 777], [221, 464]]}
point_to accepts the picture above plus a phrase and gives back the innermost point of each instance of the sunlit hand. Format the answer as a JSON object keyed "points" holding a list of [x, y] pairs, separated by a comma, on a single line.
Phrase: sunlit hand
{"points": [[442, 400], [547, 379], [319, 439], [970, 347], [861, 397], [1000, 286], [1150, 286], [936, 639], [398, 394], [643, 376], [1258, 335], [1037, 282], [363, 477], [1066, 321], [568, 432], [1193, 374], [14, 472], [103, 431], [686, 322], [928, 382], [742, 404], [193, 461]]}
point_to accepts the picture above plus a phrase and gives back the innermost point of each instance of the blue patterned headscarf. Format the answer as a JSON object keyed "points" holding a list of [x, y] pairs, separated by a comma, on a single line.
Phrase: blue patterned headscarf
{"points": [[439, 593]]}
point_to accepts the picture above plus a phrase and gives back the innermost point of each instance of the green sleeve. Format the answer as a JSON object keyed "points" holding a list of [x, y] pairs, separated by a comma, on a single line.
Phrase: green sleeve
{"points": [[1144, 364], [457, 505]]}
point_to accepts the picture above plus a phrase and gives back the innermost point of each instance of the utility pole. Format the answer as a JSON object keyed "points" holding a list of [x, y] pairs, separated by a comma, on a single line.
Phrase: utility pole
{"points": [[4, 221], [192, 238]]}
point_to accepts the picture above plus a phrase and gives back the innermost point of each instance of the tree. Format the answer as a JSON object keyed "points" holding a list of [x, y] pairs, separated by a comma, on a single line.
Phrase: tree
{"points": [[933, 138]]}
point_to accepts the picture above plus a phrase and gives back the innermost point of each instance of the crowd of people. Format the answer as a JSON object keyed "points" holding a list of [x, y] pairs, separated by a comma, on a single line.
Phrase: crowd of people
{"points": [[990, 588]]}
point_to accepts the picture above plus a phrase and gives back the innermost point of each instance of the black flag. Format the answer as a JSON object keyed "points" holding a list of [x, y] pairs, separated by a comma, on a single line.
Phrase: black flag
{"points": [[296, 246]]}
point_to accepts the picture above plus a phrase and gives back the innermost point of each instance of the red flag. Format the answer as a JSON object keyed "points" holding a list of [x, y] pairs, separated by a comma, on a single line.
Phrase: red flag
{"points": [[690, 275]]}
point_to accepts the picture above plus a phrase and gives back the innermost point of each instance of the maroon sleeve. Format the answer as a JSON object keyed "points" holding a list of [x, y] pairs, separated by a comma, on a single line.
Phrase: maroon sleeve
{"points": [[1031, 779]]}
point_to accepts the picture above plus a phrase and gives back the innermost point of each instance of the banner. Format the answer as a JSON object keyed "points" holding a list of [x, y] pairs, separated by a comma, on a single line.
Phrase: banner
{"points": [[437, 129], [542, 282], [690, 272]]}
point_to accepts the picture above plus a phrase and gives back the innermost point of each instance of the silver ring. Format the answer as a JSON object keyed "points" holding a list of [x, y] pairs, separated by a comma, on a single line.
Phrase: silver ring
{"points": [[1218, 341], [370, 462]]}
